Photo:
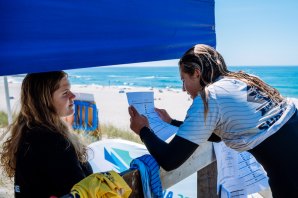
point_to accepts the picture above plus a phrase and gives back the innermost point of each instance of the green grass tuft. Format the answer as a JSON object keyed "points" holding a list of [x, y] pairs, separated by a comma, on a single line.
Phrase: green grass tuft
{"points": [[111, 132], [3, 119]]}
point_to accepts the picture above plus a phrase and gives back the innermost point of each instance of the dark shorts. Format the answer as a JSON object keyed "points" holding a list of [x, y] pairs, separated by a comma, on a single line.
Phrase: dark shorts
{"points": [[278, 154]]}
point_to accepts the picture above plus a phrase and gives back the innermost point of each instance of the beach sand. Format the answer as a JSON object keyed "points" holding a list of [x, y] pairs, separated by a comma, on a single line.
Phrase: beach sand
{"points": [[112, 101]]}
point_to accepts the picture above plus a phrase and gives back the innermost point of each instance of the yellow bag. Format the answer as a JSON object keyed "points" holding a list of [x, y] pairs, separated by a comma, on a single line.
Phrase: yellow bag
{"points": [[102, 185]]}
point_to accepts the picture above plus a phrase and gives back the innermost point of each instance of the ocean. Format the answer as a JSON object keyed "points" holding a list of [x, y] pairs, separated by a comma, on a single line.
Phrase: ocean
{"points": [[283, 78]]}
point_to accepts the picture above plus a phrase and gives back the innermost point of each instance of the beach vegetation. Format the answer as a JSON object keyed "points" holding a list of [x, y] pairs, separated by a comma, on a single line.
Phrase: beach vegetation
{"points": [[111, 131], [3, 119], [108, 131], [6, 184]]}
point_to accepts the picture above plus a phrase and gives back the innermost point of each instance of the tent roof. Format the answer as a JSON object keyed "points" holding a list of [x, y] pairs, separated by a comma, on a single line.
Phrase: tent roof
{"points": [[45, 35]]}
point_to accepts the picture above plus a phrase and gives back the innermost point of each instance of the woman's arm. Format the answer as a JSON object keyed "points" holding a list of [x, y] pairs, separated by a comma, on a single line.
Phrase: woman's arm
{"points": [[176, 123], [168, 155], [163, 114], [165, 117], [194, 131]]}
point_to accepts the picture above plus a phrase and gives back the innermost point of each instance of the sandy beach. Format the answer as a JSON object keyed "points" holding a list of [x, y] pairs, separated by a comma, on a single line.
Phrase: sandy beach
{"points": [[112, 101]]}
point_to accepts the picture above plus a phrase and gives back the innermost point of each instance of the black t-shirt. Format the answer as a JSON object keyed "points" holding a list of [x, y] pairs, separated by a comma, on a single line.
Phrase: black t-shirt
{"points": [[47, 165]]}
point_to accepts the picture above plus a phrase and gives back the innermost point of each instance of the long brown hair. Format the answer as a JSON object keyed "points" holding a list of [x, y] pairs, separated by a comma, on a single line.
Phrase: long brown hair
{"points": [[212, 65], [37, 109]]}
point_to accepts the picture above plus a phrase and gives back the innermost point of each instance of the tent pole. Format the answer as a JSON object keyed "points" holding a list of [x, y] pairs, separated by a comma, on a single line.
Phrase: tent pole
{"points": [[9, 116]]}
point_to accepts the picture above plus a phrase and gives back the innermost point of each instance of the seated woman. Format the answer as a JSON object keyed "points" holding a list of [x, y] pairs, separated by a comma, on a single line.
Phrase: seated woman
{"points": [[42, 155]]}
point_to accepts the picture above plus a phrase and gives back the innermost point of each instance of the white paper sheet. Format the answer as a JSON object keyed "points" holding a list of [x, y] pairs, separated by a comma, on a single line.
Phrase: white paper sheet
{"points": [[144, 103], [238, 173]]}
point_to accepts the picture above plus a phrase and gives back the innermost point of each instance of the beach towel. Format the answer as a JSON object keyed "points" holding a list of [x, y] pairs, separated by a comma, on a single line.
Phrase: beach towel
{"points": [[149, 170]]}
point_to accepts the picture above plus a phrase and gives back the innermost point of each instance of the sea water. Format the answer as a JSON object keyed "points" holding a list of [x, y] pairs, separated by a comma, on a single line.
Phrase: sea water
{"points": [[283, 78]]}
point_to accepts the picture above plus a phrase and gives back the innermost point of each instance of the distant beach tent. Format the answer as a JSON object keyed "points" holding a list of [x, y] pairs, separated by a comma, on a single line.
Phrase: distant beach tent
{"points": [[48, 35]]}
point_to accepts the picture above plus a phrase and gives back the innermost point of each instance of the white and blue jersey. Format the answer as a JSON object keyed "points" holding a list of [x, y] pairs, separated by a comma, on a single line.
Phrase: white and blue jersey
{"points": [[241, 115]]}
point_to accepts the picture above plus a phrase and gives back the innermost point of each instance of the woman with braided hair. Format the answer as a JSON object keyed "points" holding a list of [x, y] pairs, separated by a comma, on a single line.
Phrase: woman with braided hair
{"points": [[234, 107]]}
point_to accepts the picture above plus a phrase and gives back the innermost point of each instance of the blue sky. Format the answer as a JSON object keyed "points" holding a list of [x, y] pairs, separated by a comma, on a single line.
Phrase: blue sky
{"points": [[254, 33], [257, 32]]}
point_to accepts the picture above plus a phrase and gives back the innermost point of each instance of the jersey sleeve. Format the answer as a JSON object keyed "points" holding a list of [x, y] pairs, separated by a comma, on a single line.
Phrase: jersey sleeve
{"points": [[195, 128]]}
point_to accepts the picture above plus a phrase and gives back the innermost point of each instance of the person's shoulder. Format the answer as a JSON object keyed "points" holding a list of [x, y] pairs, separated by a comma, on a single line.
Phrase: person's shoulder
{"points": [[46, 140], [38, 133], [225, 84], [40, 130], [228, 80]]}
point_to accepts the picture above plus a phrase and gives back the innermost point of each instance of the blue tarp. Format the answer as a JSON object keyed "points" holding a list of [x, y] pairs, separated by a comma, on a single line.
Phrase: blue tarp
{"points": [[44, 35]]}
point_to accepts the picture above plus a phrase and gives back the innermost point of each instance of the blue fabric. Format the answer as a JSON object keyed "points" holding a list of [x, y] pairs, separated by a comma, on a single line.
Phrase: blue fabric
{"points": [[149, 170], [138, 164], [47, 35]]}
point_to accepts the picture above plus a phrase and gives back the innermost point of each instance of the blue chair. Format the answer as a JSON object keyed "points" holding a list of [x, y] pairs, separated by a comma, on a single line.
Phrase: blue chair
{"points": [[82, 115]]}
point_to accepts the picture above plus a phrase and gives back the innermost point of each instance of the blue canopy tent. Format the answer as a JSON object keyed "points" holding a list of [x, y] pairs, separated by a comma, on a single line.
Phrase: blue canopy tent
{"points": [[49, 35]]}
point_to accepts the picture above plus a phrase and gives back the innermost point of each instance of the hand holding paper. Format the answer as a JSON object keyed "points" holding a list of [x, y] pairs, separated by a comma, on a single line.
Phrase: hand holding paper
{"points": [[137, 121], [163, 114], [143, 103]]}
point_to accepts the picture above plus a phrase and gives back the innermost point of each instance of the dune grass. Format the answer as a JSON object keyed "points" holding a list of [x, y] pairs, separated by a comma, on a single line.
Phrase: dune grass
{"points": [[111, 132], [6, 184], [3, 119]]}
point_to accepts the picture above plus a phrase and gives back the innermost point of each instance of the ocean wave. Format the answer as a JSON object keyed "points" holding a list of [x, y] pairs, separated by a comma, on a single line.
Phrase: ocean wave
{"points": [[88, 77], [74, 76], [154, 77], [117, 76], [128, 83], [146, 77]]}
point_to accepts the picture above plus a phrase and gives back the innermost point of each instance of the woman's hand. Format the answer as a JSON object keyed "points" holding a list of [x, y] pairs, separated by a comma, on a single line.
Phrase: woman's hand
{"points": [[163, 114], [137, 121]]}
